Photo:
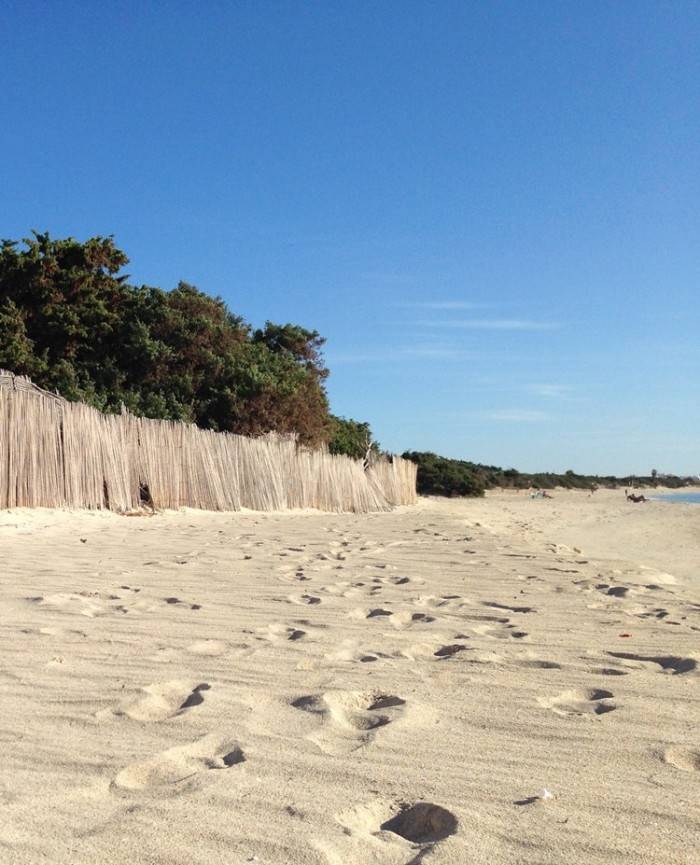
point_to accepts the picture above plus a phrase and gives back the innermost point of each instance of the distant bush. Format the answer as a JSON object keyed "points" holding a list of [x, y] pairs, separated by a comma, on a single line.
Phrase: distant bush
{"points": [[440, 476]]}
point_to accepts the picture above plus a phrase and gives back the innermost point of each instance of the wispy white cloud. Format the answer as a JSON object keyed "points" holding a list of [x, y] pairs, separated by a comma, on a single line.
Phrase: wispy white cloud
{"points": [[389, 276], [402, 353], [516, 415], [343, 358], [441, 304], [494, 324], [439, 352], [549, 391]]}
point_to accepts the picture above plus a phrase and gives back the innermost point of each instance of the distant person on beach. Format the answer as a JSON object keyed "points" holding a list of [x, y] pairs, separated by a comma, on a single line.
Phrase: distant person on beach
{"points": [[631, 497]]}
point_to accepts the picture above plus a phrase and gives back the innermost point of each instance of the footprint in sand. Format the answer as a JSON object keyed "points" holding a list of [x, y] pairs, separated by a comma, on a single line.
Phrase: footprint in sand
{"points": [[653, 613], [208, 648], [687, 759], [475, 617], [293, 575], [350, 719], [160, 702], [590, 701], [440, 647], [390, 832], [177, 765], [613, 591], [369, 613], [177, 601], [435, 602], [537, 664], [56, 632], [401, 621], [400, 581], [279, 633], [90, 604], [449, 650], [309, 600], [506, 632], [379, 613], [512, 609], [421, 823], [330, 556], [406, 619], [608, 671], [351, 590], [670, 664], [339, 589], [349, 651]]}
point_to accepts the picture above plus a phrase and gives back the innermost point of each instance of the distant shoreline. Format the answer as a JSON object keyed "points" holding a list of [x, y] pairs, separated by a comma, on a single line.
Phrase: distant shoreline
{"points": [[603, 525], [685, 497]]}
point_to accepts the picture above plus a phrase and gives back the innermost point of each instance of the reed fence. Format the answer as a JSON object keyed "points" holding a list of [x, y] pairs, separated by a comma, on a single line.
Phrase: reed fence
{"points": [[55, 453]]}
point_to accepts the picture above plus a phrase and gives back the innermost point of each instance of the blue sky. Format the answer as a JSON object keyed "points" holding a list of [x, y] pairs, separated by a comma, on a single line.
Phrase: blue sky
{"points": [[491, 210]]}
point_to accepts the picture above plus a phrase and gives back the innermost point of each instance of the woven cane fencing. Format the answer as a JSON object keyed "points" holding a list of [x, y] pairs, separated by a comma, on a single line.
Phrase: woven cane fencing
{"points": [[55, 453]]}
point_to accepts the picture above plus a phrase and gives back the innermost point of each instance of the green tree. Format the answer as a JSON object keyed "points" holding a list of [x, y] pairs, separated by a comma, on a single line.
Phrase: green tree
{"points": [[352, 438], [70, 321]]}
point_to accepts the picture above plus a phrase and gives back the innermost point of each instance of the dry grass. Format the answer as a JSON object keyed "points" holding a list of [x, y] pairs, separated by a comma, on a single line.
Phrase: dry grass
{"points": [[55, 453]]}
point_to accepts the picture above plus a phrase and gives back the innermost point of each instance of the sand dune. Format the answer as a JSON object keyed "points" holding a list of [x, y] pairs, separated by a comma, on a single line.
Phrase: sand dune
{"points": [[460, 683]]}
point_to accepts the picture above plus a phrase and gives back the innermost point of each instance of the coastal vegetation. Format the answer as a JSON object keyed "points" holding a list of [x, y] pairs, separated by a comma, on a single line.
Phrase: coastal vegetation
{"points": [[352, 438], [71, 320], [441, 476]]}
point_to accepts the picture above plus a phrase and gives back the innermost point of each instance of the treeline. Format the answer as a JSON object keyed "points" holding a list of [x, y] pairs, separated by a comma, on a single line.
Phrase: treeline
{"points": [[72, 321], [440, 476]]}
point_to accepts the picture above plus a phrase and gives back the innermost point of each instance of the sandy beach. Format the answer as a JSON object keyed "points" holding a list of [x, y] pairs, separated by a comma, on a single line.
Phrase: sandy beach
{"points": [[477, 682]]}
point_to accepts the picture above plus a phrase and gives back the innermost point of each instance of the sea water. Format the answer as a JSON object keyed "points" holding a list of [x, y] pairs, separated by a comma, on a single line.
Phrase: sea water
{"points": [[692, 498]]}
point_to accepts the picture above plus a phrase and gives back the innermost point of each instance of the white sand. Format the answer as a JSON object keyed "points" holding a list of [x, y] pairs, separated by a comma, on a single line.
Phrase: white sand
{"points": [[215, 689]]}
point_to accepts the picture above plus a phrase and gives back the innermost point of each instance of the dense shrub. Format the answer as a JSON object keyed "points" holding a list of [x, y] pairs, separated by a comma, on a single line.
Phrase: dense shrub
{"points": [[351, 437], [72, 323], [439, 476]]}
